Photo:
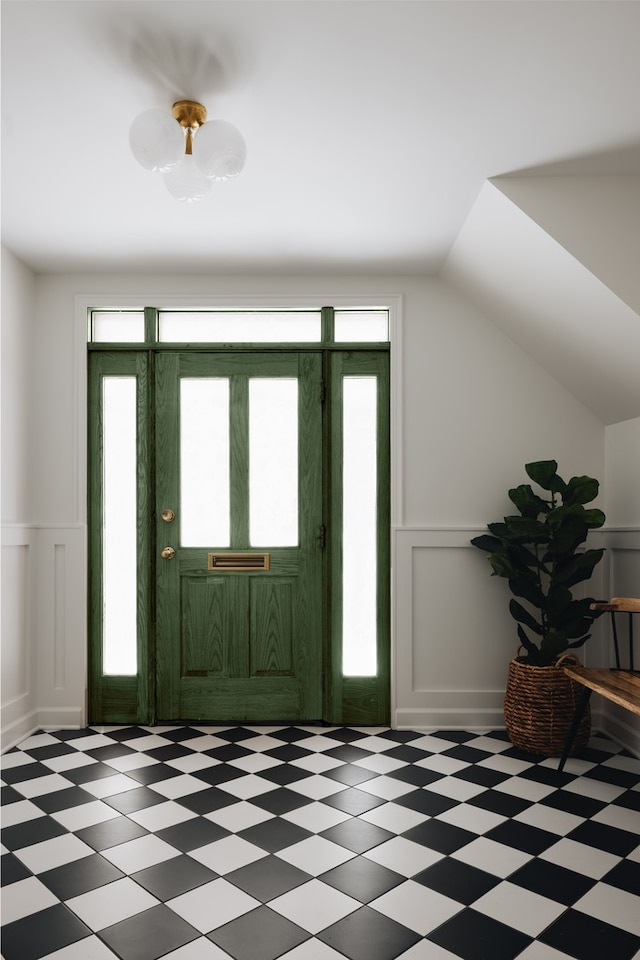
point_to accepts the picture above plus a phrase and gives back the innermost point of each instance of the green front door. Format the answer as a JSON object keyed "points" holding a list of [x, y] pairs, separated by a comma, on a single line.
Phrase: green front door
{"points": [[238, 465]]}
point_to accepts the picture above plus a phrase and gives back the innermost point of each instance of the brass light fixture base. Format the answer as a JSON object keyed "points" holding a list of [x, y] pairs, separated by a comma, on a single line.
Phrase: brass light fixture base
{"points": [[189, 113]]}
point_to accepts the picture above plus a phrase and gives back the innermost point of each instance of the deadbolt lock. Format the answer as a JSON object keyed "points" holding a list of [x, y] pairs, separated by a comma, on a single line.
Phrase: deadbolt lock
{"points": [[168, 515], [168, 553]]}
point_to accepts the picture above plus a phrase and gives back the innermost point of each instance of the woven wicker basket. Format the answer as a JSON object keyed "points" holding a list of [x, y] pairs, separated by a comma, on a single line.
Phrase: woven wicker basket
{"points": [[539, 705]]}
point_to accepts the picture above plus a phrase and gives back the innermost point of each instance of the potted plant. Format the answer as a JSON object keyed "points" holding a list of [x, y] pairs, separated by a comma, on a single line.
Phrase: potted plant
{"points": [[539, 551]]}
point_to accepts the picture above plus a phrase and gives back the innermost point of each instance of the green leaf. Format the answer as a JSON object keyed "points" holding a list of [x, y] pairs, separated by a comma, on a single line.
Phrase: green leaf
{"points": [[552, 646], [485, 542], [594, 518], [575, 569], [501, 565], [519, 613], [581, 490], [527, 502], [526, 529], [528, 589], [570, 533], [533, 654], [544, 473]]}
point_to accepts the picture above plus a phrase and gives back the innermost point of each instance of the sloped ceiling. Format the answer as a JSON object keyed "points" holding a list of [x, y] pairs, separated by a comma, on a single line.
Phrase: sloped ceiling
{"points": [[499, 138]]}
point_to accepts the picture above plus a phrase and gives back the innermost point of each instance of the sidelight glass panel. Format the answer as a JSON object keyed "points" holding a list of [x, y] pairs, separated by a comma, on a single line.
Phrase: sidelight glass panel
{"points": [[273, 462], [119, 539], [241, 326], [204, 462], [361, 326], [117, 326], [359, 525]]}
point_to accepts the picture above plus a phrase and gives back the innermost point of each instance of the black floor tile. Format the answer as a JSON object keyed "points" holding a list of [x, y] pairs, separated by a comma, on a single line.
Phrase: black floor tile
{"points": [[133, 800], [357, 835], [281, 801], [354, 801], [284, 774], [14, 776], [275, 834], [191, 834], [350, 775], [30, 832], [362, 879], [626, 876], [348, 753], [63, 799], [51, 750], [12, 869], [259, 935], [268, 878], [439, 836], [467, 754], [9, 795], [502, 803], [288, 752], [42, 933], [172, 751], [610, 839], [367, 935], [80, 876], [573, 803], [90, 772], [110, 833], [171, 878], [234, 734], [228, 752], [630, 800], [585, 938], [149, 935], [457, 880], [522, 836], [416, 776], [112, 752], [552, 881], [422, 801], [474, 936], [207, 800], [483, 776], [154, 773]]}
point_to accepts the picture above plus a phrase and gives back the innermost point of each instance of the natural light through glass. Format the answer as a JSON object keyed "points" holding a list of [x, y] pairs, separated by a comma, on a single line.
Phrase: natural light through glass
{"points": [[359, 524], [216, 326], [118, 326], [361, 326], [204, 462], [273, 462], [119, 552]]}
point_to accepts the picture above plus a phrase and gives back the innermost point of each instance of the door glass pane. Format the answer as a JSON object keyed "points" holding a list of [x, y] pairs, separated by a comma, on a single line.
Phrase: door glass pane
{"points": [[118, 326], [119, 554], [273, 462], [361, 326], [204, 462], [359, 524], [251, 326]]}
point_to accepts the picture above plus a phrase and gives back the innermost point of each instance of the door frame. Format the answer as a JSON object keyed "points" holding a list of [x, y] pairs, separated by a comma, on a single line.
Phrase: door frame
{"points": [[393, 303]]}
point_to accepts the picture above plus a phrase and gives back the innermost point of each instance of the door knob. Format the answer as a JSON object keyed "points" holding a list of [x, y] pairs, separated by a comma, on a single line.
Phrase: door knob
{"points": [[168, 553], [168, 515]]}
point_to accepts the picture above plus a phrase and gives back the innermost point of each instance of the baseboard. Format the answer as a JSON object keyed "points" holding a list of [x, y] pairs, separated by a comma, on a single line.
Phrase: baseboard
{"points": [[17, 730], [442, 719], [621, 732]]}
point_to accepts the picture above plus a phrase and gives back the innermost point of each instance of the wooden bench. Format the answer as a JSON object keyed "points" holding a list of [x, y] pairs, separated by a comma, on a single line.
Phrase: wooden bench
{"points": [[617, 685]]}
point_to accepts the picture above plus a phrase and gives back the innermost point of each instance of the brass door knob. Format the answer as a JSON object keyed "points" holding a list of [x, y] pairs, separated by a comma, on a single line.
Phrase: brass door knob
{"points": [[168, 515], [168, 553]]}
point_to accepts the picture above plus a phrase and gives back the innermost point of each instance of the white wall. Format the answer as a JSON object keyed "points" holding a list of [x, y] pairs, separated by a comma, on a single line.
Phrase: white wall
{"points": [[19, 695]]}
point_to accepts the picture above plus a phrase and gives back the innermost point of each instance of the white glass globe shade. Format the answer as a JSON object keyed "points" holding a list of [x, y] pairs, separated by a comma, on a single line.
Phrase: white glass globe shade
{"points": [[156, 140], [185, 182], [219, 150]]}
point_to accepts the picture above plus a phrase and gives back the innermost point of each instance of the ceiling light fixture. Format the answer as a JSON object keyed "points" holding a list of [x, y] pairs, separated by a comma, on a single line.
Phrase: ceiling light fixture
{"points": [[191, 153]]}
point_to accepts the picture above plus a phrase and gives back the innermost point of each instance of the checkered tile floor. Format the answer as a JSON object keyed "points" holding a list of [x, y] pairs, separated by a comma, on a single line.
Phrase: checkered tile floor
{"points": [[316, 843]]}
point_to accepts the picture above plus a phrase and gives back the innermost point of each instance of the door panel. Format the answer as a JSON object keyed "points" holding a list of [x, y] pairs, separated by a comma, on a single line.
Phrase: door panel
{"points": [[239, 644]]}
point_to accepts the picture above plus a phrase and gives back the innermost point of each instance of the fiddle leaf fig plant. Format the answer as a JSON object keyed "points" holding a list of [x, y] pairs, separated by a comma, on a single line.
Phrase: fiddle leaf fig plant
{"points": [[539, 552]]}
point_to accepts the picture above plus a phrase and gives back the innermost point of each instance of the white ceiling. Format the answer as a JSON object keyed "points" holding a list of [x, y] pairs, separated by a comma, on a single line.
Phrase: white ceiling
{"points": [[372, 127]]}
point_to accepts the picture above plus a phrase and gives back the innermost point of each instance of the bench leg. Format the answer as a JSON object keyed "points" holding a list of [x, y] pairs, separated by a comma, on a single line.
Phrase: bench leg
{"points": [[581, 706]]}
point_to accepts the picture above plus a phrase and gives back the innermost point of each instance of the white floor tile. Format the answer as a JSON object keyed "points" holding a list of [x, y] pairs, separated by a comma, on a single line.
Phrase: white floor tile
{"points": [[212, 905], [426, 950], [546, 818], [68, 761], [24, 897], [88, 743], [181, 786], [525, 789], [596, 789], [312, 950], [456, 788], [489, 744], [387, 788], [509, 765], [162, 815], [20, 812], [131, 761], [580, 857], [540, 951], [39, 740], [230, 853], [150, 742], [620, 817], [111, 903], [239, 816], [247, 787], [255, 763], [53, 853], [317, 763], [316, 817], [110, 786], [261, 743], [192, 763], [9, 761], [432, 744], [314, 906], [494, 858], [317, 787], [39, 786], [404, 856], [630, 764], [379, 763], [91, 948], [614, 906], [140, 853], [315, 855], [85, 815], [472, 818], [200, 949], [416, 907], [440, 764], [394, 817], [519, 908]]}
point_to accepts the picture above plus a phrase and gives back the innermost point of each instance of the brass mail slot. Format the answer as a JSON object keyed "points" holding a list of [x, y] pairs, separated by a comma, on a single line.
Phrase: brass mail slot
{"points": [[232, 562]]}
